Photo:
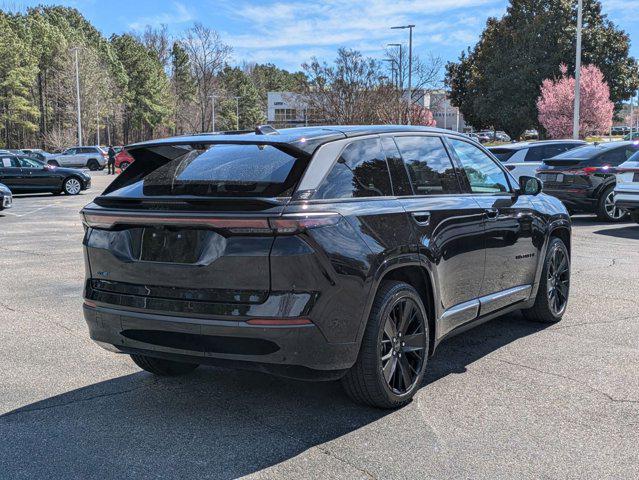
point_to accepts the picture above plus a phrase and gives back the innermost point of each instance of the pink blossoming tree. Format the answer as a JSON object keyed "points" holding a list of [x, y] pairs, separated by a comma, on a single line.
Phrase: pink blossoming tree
{"points": [[555, 104], [422, 116]]}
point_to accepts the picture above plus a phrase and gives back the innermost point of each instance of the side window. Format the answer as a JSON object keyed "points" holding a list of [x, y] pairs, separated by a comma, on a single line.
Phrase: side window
{"points": [[361, 171], [70, 151], [535, 154], [9, 162], [429, 167], [399, 176], [483, 174]]}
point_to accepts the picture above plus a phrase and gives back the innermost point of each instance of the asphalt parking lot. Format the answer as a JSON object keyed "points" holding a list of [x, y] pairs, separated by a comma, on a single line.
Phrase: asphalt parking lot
{"points": [[509, 399]]}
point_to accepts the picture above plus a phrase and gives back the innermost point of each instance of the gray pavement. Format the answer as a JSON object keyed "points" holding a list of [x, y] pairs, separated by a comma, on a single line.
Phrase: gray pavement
{"points": [[509, 399]]}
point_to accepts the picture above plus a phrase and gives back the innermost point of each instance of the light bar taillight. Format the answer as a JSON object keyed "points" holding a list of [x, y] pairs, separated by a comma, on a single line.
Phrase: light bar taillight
{"points": [[285, 224]]}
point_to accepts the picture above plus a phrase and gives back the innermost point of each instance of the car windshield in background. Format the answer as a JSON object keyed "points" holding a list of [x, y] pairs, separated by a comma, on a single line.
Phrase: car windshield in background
{"points": [[225, 170], [581, 152], [503, 154]]}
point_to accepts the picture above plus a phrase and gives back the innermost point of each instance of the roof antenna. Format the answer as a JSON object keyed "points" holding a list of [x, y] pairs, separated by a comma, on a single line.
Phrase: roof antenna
{"points": [[265, 130]]}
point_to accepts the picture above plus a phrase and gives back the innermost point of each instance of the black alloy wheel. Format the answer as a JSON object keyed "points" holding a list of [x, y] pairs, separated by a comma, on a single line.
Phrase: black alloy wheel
{"points": [[394, 351], [558, 280], [402, 347]]}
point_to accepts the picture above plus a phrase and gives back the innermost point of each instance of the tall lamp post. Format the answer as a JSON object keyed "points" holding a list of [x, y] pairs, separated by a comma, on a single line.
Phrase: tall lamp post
{"points": [[410, 65], [77, 93], [575, 118], [237, 113]]}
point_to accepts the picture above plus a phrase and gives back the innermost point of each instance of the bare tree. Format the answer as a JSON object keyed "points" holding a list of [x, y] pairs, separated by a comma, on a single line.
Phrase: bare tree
{"points": [[157, 40], [207, 54], [344, 92]]}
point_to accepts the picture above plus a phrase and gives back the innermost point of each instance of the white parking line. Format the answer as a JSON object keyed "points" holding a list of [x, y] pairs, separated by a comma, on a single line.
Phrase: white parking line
{"points": [[19, 215]]}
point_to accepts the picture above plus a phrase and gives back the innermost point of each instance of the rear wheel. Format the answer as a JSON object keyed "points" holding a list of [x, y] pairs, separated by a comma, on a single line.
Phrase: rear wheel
{"points": [[635, 216], [394, 351], [606, 209], [552, 296], [93, 165], [162, 367]]}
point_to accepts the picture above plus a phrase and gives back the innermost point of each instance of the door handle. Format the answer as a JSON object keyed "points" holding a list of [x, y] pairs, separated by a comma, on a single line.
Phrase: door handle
{"points": [[492, 213], [421, 218]]}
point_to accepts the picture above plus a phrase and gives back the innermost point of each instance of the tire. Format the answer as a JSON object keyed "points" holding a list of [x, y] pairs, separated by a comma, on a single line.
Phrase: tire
{"points": [[72, 186], [54, 163], [542, 310], [124, 166], [162, 367], [635, 216], [366, 382], [604, 211], [93, 165]]}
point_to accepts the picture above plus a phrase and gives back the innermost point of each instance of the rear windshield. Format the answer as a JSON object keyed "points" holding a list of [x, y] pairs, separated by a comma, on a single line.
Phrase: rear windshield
{"points": [[225, 170], [502, 154], [581, 152]]}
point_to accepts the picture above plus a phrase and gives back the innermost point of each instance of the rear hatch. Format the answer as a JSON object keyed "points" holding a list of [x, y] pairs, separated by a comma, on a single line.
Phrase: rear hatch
{"points": [[187, 227]]}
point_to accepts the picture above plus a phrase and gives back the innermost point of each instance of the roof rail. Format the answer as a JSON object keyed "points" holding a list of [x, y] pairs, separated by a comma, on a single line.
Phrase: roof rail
{"points": [[265, 130]]}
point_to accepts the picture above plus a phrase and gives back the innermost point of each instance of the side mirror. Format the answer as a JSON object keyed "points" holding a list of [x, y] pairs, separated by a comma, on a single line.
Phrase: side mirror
{"points": [[530, 185]]}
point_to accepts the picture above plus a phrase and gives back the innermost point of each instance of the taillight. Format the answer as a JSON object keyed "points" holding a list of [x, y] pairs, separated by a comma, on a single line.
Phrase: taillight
{"points": [[283, 225], [602, 169]]}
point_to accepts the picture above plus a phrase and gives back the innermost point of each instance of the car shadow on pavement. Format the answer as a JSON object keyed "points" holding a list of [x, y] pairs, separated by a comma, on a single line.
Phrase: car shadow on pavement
{"points": [[630, 233], [214, 423]]}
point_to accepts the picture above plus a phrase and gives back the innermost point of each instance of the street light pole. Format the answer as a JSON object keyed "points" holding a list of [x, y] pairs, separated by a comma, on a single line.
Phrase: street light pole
{"points": [[410, 66], [400, 78], [77, 93], [237, 113], [575, 119], [97, 122]]}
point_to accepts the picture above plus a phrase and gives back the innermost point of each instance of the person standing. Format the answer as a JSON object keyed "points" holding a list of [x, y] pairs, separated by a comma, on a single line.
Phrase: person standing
{"points": [[111, 161]]}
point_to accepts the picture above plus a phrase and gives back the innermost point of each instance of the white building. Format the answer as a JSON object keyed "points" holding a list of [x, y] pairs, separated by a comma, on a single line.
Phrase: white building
{"points": [[288, 109]]}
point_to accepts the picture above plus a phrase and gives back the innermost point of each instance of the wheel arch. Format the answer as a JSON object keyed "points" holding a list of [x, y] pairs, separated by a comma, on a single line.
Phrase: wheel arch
{"points": [[413, 272]]}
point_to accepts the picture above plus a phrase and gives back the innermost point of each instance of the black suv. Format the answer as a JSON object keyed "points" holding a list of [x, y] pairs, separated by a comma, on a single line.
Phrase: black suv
{"points": [[584, 178], [317, 253]]}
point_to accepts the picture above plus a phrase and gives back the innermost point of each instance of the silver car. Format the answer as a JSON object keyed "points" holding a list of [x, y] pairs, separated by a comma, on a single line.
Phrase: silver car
{"points": [[93, 158], [6, 198]]}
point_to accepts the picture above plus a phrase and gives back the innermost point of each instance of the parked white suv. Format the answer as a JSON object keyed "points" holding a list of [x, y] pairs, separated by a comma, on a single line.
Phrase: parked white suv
{"points": [[524, 158], [626, 194], [94, 158]]}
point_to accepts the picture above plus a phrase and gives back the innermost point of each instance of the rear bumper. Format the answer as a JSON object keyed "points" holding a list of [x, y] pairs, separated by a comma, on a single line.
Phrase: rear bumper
{"points": [[575, 199], [627, 199], [5, 201], [295, 351]]}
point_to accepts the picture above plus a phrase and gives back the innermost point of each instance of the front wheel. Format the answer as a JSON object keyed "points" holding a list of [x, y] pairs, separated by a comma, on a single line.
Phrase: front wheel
{"points": [[72, 186], [606, 208], [394, 351], [93, 165], [554, 285], [162, 367]]}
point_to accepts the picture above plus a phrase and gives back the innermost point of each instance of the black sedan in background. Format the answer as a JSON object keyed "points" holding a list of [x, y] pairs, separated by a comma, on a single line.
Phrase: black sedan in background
{"points": [[584, 178], [23, 174], [5, 197]]}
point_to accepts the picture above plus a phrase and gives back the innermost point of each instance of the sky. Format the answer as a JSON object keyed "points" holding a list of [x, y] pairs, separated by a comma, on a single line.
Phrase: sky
{"points": [[288, 33]]}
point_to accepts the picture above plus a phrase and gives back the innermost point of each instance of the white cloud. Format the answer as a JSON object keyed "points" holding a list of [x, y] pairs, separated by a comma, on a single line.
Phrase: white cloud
{"points": [[180, 14]]}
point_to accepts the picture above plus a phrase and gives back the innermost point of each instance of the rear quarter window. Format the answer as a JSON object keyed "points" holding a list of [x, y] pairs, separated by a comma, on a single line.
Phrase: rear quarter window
{"points": [[361, 171]]}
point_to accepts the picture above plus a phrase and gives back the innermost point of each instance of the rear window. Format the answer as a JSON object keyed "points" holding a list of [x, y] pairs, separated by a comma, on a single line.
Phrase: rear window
{"points": [[226, 170], [581, 152], [502, 154]]}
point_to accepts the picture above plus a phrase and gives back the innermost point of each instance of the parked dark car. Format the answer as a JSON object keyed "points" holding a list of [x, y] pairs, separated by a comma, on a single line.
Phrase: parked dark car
{"points": [[584, 178], [317, 253], [524, 158], [23, 174], [6, 199]]}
